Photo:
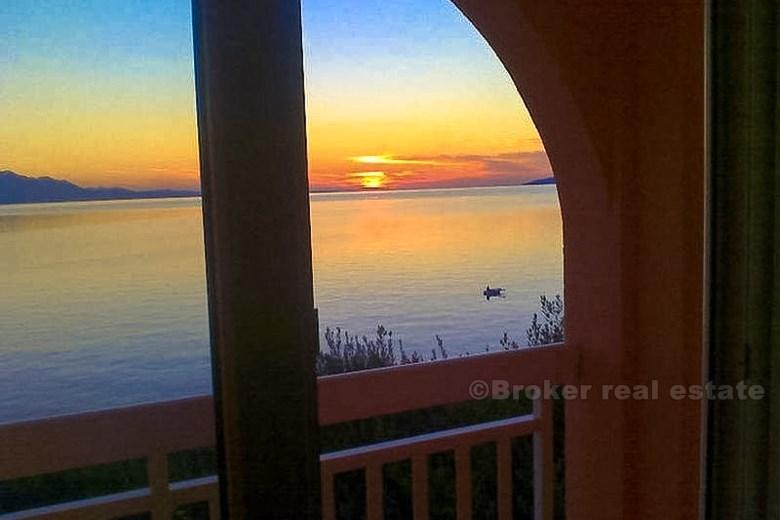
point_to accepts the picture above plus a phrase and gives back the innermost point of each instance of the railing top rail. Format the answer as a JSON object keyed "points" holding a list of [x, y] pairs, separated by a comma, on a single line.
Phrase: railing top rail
{"points": [[101, 437], [360, 395], [424, 444], [92, 438]]}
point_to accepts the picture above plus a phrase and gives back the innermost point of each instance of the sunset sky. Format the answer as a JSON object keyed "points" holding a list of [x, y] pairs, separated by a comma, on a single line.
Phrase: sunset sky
{"points": [[400, 94]]}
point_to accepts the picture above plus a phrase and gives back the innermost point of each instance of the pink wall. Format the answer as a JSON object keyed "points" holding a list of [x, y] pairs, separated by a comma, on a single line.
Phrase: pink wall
{"points": [[616, 89]]}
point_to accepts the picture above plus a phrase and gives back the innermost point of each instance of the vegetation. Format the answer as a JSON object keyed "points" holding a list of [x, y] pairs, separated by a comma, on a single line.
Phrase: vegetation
{"points": [[548, 329], [347, 352]]}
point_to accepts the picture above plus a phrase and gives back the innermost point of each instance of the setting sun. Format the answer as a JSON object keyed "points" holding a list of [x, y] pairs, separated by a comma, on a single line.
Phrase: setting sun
{"points": [[371, 180]]}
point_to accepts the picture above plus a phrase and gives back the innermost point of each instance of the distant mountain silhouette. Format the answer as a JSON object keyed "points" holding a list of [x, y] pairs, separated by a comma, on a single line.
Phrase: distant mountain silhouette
{"points": [[536, 182], [19, 189]]}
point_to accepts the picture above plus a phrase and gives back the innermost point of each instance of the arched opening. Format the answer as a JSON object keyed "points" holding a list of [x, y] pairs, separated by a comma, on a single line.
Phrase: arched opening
{"points": [[633, 286], [430, 182]]}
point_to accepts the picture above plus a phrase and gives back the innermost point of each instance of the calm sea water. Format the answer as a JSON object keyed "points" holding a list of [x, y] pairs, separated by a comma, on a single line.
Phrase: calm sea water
{"points": [[103, 303]]}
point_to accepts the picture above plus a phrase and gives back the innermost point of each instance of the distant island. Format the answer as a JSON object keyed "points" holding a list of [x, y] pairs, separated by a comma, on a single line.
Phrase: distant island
{"points": [[20, 189], [537, 182]]}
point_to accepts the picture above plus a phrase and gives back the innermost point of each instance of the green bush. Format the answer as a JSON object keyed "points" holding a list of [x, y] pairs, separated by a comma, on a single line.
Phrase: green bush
{"points": [[347, 352]]}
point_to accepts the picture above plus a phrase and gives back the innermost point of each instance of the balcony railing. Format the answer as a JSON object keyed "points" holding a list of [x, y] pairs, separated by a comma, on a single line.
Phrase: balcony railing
{"points": [[152, 432]]}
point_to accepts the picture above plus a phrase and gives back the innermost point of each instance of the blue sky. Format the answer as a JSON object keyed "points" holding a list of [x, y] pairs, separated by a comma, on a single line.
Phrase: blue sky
{"points": [[101, 91]]}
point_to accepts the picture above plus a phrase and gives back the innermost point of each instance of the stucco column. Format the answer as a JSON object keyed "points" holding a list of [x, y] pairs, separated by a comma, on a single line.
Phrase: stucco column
{"points": [[616, 90]]}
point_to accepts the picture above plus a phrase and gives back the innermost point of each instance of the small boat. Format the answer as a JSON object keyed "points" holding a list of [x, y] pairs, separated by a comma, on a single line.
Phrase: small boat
{"points": [[494, 292]]}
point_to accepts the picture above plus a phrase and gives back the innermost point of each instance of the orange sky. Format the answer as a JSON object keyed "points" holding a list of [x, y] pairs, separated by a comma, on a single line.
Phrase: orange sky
{"points": [[417, 101]]}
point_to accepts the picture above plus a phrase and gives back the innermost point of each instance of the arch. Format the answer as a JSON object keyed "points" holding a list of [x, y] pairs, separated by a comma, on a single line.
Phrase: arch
{"points": [[632, 208], [582, 192], [539, 81]]}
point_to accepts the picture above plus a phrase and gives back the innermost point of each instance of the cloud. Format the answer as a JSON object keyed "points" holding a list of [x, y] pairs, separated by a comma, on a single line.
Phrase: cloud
{"points": [[389, 159], [469, 170], [528, 165], [439, 171]]}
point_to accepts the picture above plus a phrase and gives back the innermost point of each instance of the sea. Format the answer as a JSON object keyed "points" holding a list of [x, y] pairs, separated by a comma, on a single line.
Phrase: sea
{"points": [[103, 304]]}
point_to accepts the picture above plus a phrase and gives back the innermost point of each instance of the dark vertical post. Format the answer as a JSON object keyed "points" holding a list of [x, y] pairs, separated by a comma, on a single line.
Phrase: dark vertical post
{"points": [[249, 78], [744, 435]]}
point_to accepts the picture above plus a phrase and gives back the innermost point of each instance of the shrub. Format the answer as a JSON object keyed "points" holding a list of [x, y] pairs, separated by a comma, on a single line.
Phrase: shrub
{"points": [[550, 328], [546, 325], [349, 352]]}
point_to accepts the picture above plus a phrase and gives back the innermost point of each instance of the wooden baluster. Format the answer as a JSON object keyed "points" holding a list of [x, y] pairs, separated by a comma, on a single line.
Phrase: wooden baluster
{"points": [[328, 496], [420, 493], [157, 473], [544, 470], [504, 464], [374, 492], [463, 482]]}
